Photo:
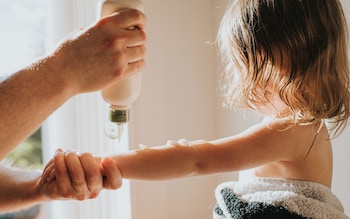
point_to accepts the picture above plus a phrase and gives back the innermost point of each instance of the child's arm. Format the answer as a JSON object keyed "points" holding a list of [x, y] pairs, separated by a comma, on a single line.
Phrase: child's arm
{"points": [[261, 144]]}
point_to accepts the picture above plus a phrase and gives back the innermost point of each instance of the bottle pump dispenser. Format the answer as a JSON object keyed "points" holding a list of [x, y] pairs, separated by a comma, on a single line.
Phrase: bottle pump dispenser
{"points": [[121, 94]]}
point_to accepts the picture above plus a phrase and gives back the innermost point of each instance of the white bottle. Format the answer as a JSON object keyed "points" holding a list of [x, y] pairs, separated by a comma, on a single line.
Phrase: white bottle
{"points": [[121, 94]]}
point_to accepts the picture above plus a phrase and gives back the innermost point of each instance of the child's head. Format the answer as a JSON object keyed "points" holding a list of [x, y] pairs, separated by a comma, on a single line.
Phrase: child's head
{"points": [[295, 51]]}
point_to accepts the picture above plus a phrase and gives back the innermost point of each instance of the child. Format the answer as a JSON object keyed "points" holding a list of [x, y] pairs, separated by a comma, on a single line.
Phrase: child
{"points": [[287, 60]]}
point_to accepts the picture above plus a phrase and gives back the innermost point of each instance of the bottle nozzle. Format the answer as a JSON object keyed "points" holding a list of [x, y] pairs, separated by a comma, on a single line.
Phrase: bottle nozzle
{"points": [[115, 127], [114, 130]]}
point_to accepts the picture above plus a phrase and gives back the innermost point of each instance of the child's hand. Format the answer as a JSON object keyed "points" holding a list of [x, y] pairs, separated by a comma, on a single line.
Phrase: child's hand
{"points": [[72, 176]]}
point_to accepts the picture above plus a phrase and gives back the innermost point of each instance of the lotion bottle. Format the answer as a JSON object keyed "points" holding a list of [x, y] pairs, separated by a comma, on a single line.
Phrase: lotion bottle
{"points": [[121, 94]]}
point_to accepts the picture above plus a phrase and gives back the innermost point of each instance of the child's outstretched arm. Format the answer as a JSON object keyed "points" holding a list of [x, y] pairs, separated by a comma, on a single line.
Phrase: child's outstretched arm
{"points": [[264, 143], [261, 144]]}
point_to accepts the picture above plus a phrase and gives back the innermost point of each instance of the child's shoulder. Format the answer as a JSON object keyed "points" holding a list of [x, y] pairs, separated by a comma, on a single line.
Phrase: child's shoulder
{"points": [[293, 140], [281, 127]]}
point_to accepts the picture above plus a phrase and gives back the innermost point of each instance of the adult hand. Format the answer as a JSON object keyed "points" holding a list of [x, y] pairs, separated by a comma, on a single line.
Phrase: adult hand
{"points": [[93, 58], [107, 51], [80, 177]]}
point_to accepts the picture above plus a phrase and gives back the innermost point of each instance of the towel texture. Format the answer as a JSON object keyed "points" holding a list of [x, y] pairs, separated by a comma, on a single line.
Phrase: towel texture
{"points": [[276, 198]]}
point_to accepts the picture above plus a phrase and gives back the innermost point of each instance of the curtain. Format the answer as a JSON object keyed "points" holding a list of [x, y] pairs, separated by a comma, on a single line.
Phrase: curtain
{"points": [[79, 124]]}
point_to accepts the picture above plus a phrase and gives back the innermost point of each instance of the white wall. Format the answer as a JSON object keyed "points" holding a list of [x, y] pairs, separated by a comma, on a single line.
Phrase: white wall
{"points": [[179, 100], [341, 175]]}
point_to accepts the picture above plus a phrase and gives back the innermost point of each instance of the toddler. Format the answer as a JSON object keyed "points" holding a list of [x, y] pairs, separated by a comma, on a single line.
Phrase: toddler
{"points": [[287, 60]]}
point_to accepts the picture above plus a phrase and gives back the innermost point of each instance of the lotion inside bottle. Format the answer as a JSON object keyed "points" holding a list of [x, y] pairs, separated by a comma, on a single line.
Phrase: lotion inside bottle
{"points": [[121, 94]]}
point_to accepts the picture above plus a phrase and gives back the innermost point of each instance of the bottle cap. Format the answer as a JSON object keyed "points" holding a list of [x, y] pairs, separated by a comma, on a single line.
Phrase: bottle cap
{"points": [[119, 116]]}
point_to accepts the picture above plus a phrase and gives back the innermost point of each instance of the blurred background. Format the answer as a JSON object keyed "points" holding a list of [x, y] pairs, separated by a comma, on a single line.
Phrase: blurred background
{"points": [[179, 99]]}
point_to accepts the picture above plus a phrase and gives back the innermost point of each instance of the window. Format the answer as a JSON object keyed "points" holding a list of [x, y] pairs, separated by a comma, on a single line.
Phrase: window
{"points": [[28, 153], [26, 29], [22, 31], [21, 42]]}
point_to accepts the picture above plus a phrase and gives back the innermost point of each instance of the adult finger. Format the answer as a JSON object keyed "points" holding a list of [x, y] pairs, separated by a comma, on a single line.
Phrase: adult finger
{"points": [[63, 180], [93, 174], [136, 59], [136, 53], [76, 173], [135, 38], [128, 19], [135, 67]]}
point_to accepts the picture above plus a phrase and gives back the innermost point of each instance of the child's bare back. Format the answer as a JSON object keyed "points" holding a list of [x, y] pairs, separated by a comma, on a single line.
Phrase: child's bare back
{"points": [[310, 158]]}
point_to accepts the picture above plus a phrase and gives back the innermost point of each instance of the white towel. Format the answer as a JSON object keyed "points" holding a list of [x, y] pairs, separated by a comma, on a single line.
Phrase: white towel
{"points": [[276, 198]]}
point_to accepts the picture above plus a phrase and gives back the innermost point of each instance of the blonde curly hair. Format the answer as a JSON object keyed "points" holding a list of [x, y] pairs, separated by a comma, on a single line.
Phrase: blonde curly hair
{"points": [[307, 40]]}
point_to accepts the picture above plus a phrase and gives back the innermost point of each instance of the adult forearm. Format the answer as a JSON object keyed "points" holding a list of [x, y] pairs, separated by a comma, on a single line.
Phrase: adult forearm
{"points": [[86, 61], [19, 189], [27, 98]]}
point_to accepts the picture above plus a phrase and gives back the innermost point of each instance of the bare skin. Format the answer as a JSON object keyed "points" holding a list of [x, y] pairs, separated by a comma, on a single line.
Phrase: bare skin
{"points": [[89, 60], [315, 166], [269, 146], [274, 147], [275, 153], [78, 178]]}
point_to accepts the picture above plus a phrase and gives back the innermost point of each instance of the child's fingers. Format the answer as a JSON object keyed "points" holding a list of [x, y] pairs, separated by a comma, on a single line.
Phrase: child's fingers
{"points": [[51, 176], [47, 166], [48, 173], [112, 175]]}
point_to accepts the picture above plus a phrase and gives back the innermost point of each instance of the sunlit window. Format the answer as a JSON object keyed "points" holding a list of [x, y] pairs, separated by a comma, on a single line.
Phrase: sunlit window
{"points": [[21, 42], [26, 28], [22, 31]]}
